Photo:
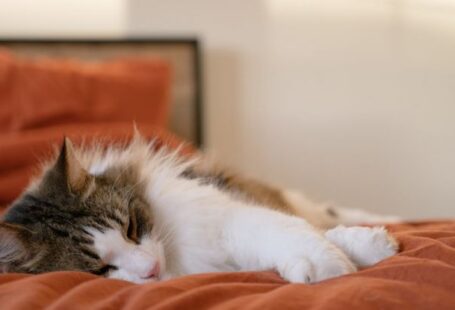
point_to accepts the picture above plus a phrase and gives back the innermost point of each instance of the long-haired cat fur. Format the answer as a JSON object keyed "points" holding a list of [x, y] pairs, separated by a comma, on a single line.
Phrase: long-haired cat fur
{"points": [[135, 213]]}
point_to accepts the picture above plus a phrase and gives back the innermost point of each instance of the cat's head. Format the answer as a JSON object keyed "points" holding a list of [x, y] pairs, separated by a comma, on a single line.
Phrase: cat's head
{"points": [[72, 220]]}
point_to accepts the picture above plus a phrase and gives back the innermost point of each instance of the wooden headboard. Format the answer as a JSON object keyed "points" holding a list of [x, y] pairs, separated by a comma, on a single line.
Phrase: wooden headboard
{"points": [[183, 54]]}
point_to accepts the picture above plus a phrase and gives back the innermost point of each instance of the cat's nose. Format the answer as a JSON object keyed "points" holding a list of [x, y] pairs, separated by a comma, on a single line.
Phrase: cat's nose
{"points": [[154, 272]]}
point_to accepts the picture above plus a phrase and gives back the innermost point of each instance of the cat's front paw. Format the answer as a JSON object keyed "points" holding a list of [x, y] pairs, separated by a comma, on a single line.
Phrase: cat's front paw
{"points": [[317, 266], [366, 246], [297, 270]]}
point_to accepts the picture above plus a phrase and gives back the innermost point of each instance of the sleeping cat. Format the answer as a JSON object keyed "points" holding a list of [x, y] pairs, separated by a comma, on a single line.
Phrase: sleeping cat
{"points": [[138, 214]]}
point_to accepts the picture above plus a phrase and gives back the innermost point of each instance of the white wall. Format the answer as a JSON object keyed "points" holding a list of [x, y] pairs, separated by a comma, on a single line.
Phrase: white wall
{"points": [[367, 92], [52, 18], [350, 100], [233, 34]]}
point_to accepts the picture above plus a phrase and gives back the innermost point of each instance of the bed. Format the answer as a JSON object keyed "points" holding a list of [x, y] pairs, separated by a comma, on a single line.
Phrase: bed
{"points": [[113, 77]]}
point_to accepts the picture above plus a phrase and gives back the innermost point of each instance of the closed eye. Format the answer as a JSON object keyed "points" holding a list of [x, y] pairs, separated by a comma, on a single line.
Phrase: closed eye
{"points": [[104, 270]]}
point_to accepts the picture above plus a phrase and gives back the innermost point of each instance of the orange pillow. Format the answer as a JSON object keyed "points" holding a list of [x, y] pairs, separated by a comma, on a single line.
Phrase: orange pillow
{"points": [[43, 92]]}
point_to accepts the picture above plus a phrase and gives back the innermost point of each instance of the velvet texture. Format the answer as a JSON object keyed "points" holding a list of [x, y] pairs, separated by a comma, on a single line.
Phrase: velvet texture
{"points": [[46, 92]]}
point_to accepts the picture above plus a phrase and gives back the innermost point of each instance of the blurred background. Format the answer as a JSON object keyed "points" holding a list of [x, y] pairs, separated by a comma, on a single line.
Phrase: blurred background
{"points": [[351, 101]]}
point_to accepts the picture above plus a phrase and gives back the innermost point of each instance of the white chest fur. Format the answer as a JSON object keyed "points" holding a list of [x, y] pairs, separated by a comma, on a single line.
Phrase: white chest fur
{"points": [[192, 223]]}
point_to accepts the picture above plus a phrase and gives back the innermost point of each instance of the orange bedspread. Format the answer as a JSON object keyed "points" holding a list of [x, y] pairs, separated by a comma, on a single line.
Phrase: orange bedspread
{"points": [[422, 276]]}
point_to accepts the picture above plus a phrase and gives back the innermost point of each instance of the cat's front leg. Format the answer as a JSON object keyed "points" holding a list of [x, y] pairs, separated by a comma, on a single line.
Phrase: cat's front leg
{"points": [[260, 239]]}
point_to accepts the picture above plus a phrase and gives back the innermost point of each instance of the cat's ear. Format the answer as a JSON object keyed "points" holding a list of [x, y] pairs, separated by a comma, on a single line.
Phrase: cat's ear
{"points": [[71, 171], [13, 241]]}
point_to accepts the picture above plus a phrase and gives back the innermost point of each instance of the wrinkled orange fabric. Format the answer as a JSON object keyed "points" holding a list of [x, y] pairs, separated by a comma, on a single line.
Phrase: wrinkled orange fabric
{"points": [[45, 92], [421, 276]]}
